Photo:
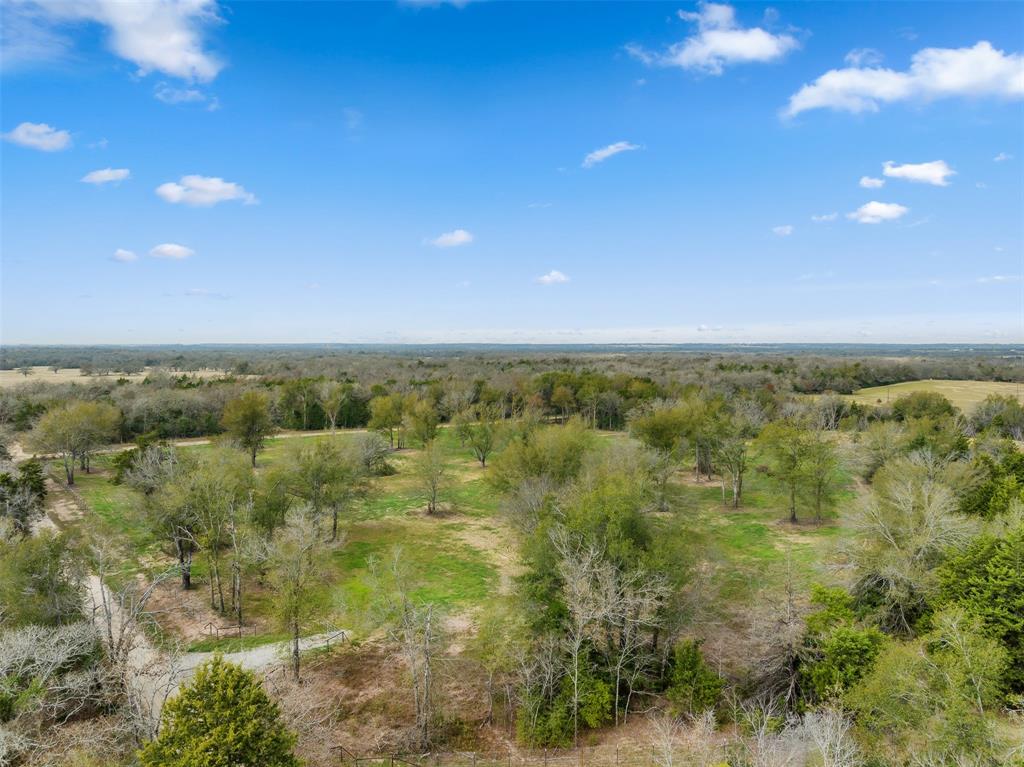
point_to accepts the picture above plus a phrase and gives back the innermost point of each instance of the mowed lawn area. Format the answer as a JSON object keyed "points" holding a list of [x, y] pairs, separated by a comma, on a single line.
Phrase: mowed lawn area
{"points": [[465, 557], [964, 394]]}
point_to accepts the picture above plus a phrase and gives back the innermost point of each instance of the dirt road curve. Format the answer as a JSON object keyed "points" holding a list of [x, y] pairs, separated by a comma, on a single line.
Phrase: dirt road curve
{"points": [[156, 675]]}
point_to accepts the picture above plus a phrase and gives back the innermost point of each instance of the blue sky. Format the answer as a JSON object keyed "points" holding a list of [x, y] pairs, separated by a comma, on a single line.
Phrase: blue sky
{"points": [[407, 172]]}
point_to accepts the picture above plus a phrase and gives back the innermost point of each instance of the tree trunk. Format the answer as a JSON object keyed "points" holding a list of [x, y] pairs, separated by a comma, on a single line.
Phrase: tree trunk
{"points": [[295, 650], [185, 565]]}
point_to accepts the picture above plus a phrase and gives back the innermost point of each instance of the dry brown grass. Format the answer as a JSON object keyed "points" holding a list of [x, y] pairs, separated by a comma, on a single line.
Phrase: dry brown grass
{"points": [[966, 395], [11, 378]]}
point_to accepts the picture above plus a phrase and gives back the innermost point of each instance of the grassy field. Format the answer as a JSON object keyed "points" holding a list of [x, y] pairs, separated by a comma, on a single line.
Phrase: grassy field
{"points": [[10, 378], [964, 394], [464, 558]]}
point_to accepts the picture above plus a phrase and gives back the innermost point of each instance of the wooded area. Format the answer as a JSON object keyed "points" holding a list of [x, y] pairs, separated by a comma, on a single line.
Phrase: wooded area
{"points": [[689, 559]]}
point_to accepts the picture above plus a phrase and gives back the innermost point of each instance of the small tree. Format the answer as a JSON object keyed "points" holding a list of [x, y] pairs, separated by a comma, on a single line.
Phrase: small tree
{"points": [[331, 396], [416, 628], [694, 687], [421, 420], [222, 717], [432, 475], [785, 445], [821, 474], [296, 571], [478, 428], [247, 419], [386, 415]]}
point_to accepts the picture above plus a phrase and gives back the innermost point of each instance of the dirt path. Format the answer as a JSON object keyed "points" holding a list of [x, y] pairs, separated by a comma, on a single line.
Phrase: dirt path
{"points": [[156, 675], [19, 454]]}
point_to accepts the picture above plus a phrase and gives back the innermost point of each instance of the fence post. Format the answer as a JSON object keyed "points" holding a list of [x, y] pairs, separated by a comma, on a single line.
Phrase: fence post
{"points": [[616, 755]]}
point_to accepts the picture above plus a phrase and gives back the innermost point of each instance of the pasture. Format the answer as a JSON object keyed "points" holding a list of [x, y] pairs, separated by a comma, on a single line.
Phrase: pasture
{"points": [[466, 557], [966, 395]]}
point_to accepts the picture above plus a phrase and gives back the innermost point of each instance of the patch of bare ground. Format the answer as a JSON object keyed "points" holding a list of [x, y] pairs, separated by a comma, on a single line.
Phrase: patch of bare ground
{"points": [[496, 540], [186, 616], [63, 506]]}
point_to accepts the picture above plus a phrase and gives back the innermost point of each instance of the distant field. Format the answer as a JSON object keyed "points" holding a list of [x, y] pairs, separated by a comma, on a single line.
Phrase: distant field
{"points": [[9, 378], [964, 394]]}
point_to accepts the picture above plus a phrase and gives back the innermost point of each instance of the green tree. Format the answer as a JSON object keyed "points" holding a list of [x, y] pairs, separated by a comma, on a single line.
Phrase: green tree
{"points": [[432, 476], [324, 475], [74, 430], [987, 580], [933, 698], [785, 444], [694, 687], [247, 419], [222, 718], [40, 581], [420, 418], [821, 481], [479, 428], [386, 415], [922, 404]]}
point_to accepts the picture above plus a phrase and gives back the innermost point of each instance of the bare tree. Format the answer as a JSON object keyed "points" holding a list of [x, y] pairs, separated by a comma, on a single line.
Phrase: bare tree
{"points": [[631, 611], [417, 631], [901, 531], [296, 572], [829, 730], [586, 579], [331, 395]]}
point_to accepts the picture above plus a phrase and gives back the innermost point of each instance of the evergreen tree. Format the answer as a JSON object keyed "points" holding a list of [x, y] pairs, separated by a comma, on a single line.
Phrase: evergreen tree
{"points": [[222, 718]]}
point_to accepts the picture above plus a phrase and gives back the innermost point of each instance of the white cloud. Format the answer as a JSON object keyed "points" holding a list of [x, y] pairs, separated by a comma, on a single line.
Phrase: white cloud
{"points": [[452, 239], [172, 251], [824, 217], [867, 182], [353, 119], [1002, 157], [718, 43], [877, 212], [174, 96], [160, 35], [934, 73], [106, 176], [997, 278], [39, 136], [783, 231], [863, 57], [204, 191], [602, 154], [554, 277], [124, 256], [936, 172], [204, 293]]}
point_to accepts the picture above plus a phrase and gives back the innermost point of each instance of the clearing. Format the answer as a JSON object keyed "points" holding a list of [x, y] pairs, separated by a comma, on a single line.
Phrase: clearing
{"points": [[966, 395], [12, 378]]}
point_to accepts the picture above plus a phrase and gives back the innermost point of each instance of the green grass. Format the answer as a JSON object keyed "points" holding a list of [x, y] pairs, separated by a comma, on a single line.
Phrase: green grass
{"points": [[751, 548]]}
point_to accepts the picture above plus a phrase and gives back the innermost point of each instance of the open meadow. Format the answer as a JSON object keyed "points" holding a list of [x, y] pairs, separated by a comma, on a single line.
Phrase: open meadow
{"points": [[966, 395], [43, 374]]}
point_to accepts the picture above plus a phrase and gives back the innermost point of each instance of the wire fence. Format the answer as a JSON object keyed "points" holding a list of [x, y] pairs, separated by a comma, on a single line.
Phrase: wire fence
{"points": [[588, 756]]}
